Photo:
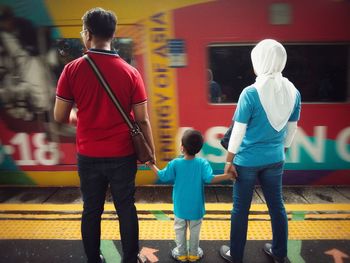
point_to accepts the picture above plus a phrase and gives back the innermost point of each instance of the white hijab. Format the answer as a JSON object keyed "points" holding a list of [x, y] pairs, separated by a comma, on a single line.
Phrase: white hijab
{"points": [[276, 93]]}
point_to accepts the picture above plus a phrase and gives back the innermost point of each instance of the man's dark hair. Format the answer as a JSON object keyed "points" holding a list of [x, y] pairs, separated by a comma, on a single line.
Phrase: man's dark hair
{"points": [[99, 22], [192, 141]]}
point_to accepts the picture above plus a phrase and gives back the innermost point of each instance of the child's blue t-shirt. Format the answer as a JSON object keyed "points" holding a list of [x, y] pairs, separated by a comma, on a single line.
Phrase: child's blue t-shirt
{"points": [[189, 177], [262, 144]]}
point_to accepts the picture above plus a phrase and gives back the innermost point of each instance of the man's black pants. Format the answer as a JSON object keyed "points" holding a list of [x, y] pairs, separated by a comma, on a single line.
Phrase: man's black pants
{"points": [[95, 176]]}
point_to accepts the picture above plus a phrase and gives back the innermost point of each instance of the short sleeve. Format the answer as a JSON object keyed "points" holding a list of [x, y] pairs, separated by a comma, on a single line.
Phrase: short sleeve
{"points": [[139, 93], [297, 108], [207, 172], [244, 108], [168, 173], [64, 91]]}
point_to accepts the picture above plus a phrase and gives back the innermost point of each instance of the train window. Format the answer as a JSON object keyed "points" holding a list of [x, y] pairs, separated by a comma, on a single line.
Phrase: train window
{"points": [[319, 71], [229, 72], [280, 14], [69, 49], [72, 48], [124, 47]]}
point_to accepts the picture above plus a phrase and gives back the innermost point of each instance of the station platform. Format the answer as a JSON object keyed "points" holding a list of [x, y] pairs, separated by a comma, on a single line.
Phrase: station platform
{"points": [[43, 225]]}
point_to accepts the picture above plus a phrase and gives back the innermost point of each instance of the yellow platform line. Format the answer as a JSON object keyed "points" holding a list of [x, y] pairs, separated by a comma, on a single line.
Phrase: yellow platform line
{"points": [[169, 207], [164, 230]]}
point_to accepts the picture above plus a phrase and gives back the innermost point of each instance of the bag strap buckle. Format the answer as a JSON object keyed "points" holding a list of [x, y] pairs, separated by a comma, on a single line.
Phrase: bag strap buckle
{"points": [[134, 130]]}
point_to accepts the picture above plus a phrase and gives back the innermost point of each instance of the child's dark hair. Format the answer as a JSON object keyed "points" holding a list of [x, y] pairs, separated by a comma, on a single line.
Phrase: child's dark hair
{"points": [[192, 141], [99, 22]]}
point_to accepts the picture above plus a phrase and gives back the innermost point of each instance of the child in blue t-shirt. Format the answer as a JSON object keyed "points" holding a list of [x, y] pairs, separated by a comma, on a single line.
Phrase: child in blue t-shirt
{"points": [[189, 174]]}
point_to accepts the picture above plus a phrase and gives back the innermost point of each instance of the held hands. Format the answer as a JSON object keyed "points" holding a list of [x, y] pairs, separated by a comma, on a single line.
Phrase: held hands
{"points": [[154, 159], [152, 166], [230, 169], [149, 163]]}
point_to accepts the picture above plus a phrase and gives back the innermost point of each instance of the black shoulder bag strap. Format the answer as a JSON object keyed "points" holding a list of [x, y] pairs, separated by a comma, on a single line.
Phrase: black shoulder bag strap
{"points": [[134, 129]]}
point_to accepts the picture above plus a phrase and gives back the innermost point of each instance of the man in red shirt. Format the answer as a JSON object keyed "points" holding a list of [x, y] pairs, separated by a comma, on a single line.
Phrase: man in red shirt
{"points": [[105, 151]]}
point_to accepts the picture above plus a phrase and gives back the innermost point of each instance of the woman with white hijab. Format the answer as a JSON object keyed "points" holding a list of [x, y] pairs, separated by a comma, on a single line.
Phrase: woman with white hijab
{"points": [[265, 122]]}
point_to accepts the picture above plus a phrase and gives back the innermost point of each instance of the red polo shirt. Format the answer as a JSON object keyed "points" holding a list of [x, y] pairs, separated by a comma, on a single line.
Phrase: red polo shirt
{"points": [[101, 131]]}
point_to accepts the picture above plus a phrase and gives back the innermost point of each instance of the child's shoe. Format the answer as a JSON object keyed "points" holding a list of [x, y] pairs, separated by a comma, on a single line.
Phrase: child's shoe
{"points": [[192, 258], [196, 258], [179, 258]]}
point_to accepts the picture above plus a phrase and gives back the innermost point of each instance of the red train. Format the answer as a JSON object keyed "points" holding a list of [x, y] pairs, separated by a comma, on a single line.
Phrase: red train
{"points": [[195, 60]]}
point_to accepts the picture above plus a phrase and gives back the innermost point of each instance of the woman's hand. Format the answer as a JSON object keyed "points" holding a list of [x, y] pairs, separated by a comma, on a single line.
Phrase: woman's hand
{"points": [[230, 169]]}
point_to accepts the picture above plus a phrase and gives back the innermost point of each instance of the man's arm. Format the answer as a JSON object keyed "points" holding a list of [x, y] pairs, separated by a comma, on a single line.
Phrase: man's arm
{"points": [[62, 111], [142, 118]]}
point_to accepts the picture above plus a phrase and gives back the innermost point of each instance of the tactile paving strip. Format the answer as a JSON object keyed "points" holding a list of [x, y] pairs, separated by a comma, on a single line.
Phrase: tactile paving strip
{"points": [[164, 230], [20, 221]]}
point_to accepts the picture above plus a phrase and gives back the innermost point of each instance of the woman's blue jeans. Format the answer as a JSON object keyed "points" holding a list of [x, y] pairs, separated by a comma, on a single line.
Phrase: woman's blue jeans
{"points": [[95, 176], [270, 178]]}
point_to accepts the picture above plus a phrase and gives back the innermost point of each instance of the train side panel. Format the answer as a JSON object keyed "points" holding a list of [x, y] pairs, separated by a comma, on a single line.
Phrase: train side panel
{"points": [[174, 45], [320, 153]]}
